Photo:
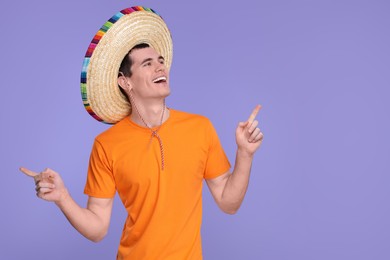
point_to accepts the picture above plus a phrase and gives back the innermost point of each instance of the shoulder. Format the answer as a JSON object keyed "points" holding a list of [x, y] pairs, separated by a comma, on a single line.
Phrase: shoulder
{"points": [[115, 131], [180, 116], [190, 124]]}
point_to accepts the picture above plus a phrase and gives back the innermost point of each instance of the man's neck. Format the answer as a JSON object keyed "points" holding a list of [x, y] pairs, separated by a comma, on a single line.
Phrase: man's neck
{"points": [[151, 114]]}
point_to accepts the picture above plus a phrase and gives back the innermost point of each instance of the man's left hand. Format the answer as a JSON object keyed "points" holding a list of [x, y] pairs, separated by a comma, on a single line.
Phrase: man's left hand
{"points": [[248, 134]]}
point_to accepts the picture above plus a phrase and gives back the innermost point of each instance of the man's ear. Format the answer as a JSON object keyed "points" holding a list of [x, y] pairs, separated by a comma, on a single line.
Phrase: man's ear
{"points": [[124, 83]]}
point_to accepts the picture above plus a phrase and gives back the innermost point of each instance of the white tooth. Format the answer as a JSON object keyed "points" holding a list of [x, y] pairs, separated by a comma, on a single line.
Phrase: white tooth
{"points": [[160, 78]]}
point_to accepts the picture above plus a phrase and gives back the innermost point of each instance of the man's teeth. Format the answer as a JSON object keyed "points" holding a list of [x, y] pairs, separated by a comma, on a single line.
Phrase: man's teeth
{"points": [[159, 79]]}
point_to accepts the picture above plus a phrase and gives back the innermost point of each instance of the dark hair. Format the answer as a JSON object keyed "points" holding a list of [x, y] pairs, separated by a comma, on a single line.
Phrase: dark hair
{"points": [[126, 63]]}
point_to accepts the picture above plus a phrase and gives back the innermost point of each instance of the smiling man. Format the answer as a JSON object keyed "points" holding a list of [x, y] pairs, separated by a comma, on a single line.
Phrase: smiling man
{"points": [[154, 157]]}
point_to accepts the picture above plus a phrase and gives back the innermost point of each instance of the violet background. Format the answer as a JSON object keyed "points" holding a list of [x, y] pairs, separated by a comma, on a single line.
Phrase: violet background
{"points": [[320, 182]]}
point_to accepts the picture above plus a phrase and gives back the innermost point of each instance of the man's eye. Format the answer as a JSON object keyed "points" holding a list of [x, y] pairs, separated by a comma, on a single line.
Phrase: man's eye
{"points": [[147, 64], [162, 61]]}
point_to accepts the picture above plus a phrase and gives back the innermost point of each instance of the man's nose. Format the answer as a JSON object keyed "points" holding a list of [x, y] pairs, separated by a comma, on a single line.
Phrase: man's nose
{"points": [[160, 67]]}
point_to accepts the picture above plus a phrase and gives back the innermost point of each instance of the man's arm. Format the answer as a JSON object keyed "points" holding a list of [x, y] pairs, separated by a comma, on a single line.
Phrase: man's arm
{"points": [[229, 189], [92, 221]]}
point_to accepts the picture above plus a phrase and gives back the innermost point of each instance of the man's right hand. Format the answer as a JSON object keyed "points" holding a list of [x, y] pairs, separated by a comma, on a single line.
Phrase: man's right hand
{"points": [[92, 222], [48, 184]]}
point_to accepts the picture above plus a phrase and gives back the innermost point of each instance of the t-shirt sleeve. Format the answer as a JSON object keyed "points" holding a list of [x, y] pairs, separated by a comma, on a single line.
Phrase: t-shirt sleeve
{"points": [[217, 161], [100, 180]]}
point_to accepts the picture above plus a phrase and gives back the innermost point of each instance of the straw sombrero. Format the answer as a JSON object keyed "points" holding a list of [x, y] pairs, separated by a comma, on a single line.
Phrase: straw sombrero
{"points": [[101, 95]]}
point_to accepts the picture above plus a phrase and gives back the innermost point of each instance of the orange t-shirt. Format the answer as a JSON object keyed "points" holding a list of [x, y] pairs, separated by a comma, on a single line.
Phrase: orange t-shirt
{"points": [[164, 206]]}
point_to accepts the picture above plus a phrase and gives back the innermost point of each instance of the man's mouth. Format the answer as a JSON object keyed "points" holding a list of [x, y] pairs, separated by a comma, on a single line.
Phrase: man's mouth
{"points": [[160, 79]]}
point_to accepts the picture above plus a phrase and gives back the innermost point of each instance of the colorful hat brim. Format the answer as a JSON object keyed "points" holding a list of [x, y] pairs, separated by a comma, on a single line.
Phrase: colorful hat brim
{"points": [[101, 95]]}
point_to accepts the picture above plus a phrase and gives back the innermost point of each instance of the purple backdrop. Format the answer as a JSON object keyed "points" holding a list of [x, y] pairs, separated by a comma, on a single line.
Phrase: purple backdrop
{"points": [[320, 182]]}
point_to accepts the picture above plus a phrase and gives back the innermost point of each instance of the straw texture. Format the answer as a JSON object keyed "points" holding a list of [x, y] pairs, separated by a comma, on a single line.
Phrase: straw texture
{"points": [[99, 88]]}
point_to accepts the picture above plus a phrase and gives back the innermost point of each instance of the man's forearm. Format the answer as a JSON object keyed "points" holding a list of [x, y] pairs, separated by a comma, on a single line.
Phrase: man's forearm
{"points": [[85, 221], [229, 189], [237, 183]]}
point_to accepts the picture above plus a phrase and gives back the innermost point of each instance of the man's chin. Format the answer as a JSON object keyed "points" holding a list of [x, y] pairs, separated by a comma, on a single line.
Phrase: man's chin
{"points": [[167, 93]]}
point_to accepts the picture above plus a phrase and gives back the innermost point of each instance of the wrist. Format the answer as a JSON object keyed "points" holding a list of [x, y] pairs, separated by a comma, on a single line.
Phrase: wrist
{"points": [[62, 198], [243, 153]]}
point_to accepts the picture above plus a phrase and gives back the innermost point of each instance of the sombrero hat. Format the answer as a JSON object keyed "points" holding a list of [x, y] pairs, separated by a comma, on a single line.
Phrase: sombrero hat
{"points": [[101, 95]]}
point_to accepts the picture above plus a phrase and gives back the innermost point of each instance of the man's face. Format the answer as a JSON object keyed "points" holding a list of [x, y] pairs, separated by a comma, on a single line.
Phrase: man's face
{"points": [[149, 79]]}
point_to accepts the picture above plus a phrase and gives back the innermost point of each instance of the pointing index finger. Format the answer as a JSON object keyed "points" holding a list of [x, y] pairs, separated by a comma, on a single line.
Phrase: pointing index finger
{"points": [[254, 114], [28, 172]]}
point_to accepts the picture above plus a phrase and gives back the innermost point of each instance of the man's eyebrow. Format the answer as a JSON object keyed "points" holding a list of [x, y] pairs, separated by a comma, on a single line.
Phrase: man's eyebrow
{"points": [[150, 59], [146, 60]]}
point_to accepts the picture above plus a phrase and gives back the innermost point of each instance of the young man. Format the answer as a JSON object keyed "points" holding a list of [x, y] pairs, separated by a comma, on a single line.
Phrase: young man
{"points": [[156, 158]]}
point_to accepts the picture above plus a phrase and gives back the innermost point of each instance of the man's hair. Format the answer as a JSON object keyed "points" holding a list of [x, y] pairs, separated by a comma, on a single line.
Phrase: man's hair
{"points": [[126, 63], [125, 68]]}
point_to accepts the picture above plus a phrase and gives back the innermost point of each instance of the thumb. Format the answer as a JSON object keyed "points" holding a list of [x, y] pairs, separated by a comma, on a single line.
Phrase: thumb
{"points": [[28, 172], [52, 176], [243, 124], [49, 173], [241, 127]]}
